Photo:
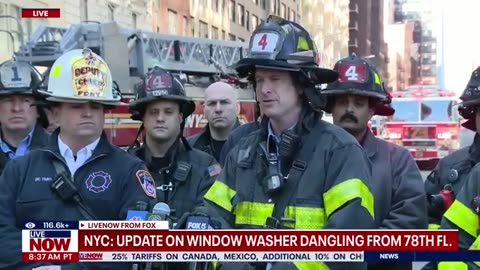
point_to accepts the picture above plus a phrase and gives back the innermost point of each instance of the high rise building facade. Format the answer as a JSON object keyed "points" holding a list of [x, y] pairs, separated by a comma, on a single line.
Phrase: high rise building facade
{"points": [[235, 20], [327, 21], [424, 56], [128, 13], [366, 37]]}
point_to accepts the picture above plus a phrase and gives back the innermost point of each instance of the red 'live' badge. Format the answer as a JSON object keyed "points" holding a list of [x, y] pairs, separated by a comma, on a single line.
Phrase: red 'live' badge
{"points": [[356, 73], [40, 13]]}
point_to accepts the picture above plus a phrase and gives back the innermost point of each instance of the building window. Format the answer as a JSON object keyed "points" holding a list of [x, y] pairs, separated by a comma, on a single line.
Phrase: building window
{"points": [[232, 7], [292, 15], [172, 22], [84, 10], [134, 20], [254, 21], [283, 11], [231, 37], [241, 39], [247, 23], [223, 34], [111, 12], [185, 25], [203, 29], [264, 4], [241, 15], [214, 32], [192, 25], [16, 12], [216, 5]]}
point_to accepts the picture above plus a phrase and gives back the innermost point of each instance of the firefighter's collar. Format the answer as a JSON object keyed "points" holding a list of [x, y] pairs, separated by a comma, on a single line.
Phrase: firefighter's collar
{"points": [[277, 139], [369, 144]]}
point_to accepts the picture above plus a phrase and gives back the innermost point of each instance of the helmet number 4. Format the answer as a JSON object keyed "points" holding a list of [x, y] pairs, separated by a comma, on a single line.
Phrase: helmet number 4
{"points": [[351, 73], [264, 42]]}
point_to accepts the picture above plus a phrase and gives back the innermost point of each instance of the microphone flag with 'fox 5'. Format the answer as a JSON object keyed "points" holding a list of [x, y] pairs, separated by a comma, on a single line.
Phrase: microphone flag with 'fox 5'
{"points": [[197, 222]]}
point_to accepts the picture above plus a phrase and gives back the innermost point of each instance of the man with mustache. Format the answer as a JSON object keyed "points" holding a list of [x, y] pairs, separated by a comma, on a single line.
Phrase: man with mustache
{"points": [[22, 122], [221, 109], [296, 171], [400, 202]]}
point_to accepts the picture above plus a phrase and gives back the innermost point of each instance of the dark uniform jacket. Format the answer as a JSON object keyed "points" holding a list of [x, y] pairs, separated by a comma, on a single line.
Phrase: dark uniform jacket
{"points": [[203, 141], [463, 216], [110, 183], [332, 192], [400, 201], [182, 194], [39, 140], [235, 137], [182, 183], [452, 170]]}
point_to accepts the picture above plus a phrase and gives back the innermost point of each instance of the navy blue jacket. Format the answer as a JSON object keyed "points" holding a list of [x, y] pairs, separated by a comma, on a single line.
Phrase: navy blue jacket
{"points": [[109, 183]]}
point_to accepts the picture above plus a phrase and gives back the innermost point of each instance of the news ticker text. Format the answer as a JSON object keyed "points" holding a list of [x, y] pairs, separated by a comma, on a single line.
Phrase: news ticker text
{"points": [[328, 256], [153, 241]]}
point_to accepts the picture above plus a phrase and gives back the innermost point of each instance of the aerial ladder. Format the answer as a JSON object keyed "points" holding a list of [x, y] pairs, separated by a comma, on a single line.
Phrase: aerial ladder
{"points": [[130, 53]]}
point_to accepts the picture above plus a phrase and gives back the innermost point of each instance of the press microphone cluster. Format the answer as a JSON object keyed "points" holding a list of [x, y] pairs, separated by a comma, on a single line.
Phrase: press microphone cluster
{"points": [[160, 211]]}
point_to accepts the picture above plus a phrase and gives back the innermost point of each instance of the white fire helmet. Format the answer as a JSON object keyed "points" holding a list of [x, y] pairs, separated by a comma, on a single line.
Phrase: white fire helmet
{"points": [[80, 76]]}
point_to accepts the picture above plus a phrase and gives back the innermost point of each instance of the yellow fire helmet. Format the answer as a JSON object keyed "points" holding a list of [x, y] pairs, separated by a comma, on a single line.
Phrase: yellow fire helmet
{"points": [[81, 76]]}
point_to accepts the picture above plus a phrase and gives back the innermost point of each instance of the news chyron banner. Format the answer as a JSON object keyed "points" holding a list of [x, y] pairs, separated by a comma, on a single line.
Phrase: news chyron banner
{"points": [[152, 241]]}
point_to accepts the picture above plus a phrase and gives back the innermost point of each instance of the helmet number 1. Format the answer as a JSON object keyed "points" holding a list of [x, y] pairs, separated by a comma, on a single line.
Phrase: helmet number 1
{"points": [[263, 41], [351, 73], [15, 78]]}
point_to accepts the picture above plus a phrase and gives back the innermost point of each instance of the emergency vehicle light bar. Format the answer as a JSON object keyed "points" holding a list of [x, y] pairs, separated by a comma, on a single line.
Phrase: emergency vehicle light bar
{"points": [[423, 93]]}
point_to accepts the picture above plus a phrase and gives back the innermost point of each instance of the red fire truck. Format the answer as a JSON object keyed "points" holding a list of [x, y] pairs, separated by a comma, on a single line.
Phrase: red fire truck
{"points": [[426, 122], [131, 52]]}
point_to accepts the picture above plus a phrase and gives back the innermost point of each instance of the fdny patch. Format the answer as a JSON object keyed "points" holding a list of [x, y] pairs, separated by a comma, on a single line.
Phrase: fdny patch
{"points": [[214, 170], [98, 182], [147, 183]]}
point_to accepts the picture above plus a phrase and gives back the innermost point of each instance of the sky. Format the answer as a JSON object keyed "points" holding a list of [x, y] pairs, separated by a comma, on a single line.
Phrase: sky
{"points": [[461, 41]]}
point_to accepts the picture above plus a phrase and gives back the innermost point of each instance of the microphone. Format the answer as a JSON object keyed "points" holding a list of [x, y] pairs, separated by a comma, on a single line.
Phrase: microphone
{"points": [[139, 213], [160, 211], [198, 220]]}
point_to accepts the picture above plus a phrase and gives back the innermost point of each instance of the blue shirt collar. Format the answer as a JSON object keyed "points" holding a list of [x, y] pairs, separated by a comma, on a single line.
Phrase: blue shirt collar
{"points": [[277, 139], [22, 148]]}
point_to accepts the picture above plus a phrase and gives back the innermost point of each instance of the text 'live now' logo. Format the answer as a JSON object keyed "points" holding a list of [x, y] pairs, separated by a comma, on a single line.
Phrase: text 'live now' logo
{"points": [[40, 13], [49, 241]]}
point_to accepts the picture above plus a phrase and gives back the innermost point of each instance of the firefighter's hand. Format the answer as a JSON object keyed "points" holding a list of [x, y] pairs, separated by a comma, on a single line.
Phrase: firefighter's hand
{"points": [[48, 267]]}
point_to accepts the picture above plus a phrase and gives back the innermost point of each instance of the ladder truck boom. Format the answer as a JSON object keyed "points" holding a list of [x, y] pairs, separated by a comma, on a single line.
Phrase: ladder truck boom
{"points": [[130, 52]]}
